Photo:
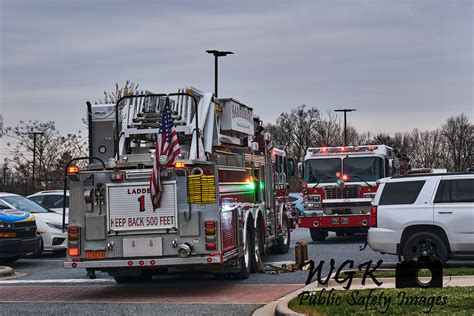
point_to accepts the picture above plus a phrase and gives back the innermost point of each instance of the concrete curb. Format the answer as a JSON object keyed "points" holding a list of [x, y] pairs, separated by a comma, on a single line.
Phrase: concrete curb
{"points": [[6, 271], [282, 309]]}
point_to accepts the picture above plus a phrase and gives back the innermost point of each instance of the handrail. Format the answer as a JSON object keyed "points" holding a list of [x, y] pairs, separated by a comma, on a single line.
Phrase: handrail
{"points": [[117, 133]]}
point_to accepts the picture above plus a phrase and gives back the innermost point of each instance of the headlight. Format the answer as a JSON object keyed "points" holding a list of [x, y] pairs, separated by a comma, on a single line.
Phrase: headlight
{"points": [[6, 225], [55, 226]]}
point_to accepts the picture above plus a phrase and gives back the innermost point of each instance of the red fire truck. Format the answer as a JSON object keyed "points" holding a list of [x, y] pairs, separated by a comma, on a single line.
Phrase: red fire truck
{"points": [[224, 202], [339, 184]]}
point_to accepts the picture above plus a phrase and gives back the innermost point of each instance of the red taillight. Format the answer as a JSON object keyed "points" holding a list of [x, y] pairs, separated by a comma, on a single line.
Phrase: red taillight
{"points": [[373, 216], [210, 224], [345, 177], [141, 262], [210, 232], [211, 246], [130, 263], [73, 252], [152, 262], [73, 230], [73, 241], [304, 185]]}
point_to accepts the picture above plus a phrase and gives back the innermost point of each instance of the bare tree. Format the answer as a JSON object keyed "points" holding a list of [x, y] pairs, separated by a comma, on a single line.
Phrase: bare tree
{"points": [[51, 150], [296, 130], [113, 96], [427, 150], [458, 133]]}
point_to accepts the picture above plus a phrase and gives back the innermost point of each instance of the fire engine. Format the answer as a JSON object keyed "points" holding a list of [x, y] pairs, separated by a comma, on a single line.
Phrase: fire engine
{"points": [[338, 185], [224, 201]]}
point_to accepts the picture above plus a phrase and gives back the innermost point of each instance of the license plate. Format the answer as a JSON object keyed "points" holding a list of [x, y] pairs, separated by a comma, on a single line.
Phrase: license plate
{"points": [[95, 254], [142, 246]]}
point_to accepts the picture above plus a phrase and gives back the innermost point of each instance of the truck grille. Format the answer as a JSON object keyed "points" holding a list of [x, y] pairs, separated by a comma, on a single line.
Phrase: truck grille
{"points": [[347, 192]]}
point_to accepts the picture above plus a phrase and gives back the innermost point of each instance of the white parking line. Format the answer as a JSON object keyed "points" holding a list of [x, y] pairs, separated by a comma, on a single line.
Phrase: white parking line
{"points": [[55, 281]]}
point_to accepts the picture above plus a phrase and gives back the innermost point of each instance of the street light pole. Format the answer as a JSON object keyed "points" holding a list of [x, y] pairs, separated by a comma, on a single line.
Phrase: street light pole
{"points": [[217, 54], [345, 122]]}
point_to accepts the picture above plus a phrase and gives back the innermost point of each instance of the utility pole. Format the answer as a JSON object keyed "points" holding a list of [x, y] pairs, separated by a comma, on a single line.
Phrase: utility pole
{"points": [[34, 151], [5, 168], [217, 54], [345, 122]]}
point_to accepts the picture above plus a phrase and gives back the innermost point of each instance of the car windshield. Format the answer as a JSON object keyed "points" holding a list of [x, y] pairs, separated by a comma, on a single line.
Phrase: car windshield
{"points": [[363, 168], [25, 205], [3, 206], [321, 170]]}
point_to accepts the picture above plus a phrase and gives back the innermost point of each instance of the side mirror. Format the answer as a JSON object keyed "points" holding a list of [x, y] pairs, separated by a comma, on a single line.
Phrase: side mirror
{"points": [[291, 166]]}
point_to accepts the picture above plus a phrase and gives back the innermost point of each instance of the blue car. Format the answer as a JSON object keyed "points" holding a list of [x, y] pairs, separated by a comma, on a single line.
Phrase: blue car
{"points": [[296, 200]]}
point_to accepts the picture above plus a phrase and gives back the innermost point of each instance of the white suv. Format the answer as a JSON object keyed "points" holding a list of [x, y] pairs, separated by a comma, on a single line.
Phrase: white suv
{"points": [[426, 214]]}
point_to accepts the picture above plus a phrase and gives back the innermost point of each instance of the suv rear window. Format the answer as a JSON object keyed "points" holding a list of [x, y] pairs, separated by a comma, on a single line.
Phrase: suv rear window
{"points": [[401, 192], [455, 191]]}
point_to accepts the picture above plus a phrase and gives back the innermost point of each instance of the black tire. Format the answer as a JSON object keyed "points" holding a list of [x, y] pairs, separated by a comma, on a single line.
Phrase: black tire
{"points": [[425, 244], [248, 257], [39, 250], [283, 242], [317, 234], [258, 248]]}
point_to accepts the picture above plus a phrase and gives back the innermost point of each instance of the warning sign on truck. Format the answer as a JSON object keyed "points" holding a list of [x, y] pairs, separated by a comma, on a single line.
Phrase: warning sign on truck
{"points": [[129, 207]]}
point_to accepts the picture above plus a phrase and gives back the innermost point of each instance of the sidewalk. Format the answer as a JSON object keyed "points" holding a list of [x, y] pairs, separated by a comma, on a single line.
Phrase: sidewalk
{"points": [[280, 306]]}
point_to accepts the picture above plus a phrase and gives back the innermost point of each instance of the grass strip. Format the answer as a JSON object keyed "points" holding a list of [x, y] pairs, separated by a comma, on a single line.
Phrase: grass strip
{"points": [[449, 300]]}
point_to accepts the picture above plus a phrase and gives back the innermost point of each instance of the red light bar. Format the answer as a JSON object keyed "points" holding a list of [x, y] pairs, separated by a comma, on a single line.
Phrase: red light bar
{"points": [[329, 150]]}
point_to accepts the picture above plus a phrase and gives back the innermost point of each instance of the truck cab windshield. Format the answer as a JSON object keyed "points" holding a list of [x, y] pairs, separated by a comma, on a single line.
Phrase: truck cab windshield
{"points": [[321, 170], [363, 168]]}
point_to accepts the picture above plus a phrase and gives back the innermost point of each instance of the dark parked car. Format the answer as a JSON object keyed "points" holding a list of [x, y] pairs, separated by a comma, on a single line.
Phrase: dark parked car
{"points": [[17, 233]]}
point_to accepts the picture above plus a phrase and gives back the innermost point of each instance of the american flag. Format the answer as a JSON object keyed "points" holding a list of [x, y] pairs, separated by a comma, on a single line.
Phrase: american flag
{"points": [[166, 150]]}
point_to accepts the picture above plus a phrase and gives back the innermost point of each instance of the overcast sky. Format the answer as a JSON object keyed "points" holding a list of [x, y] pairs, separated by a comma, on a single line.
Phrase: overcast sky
{"points": [[401, 64]]}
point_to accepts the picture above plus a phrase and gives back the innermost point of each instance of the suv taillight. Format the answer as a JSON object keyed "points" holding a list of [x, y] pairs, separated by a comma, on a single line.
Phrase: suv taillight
{"points": [[373, 216]]}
